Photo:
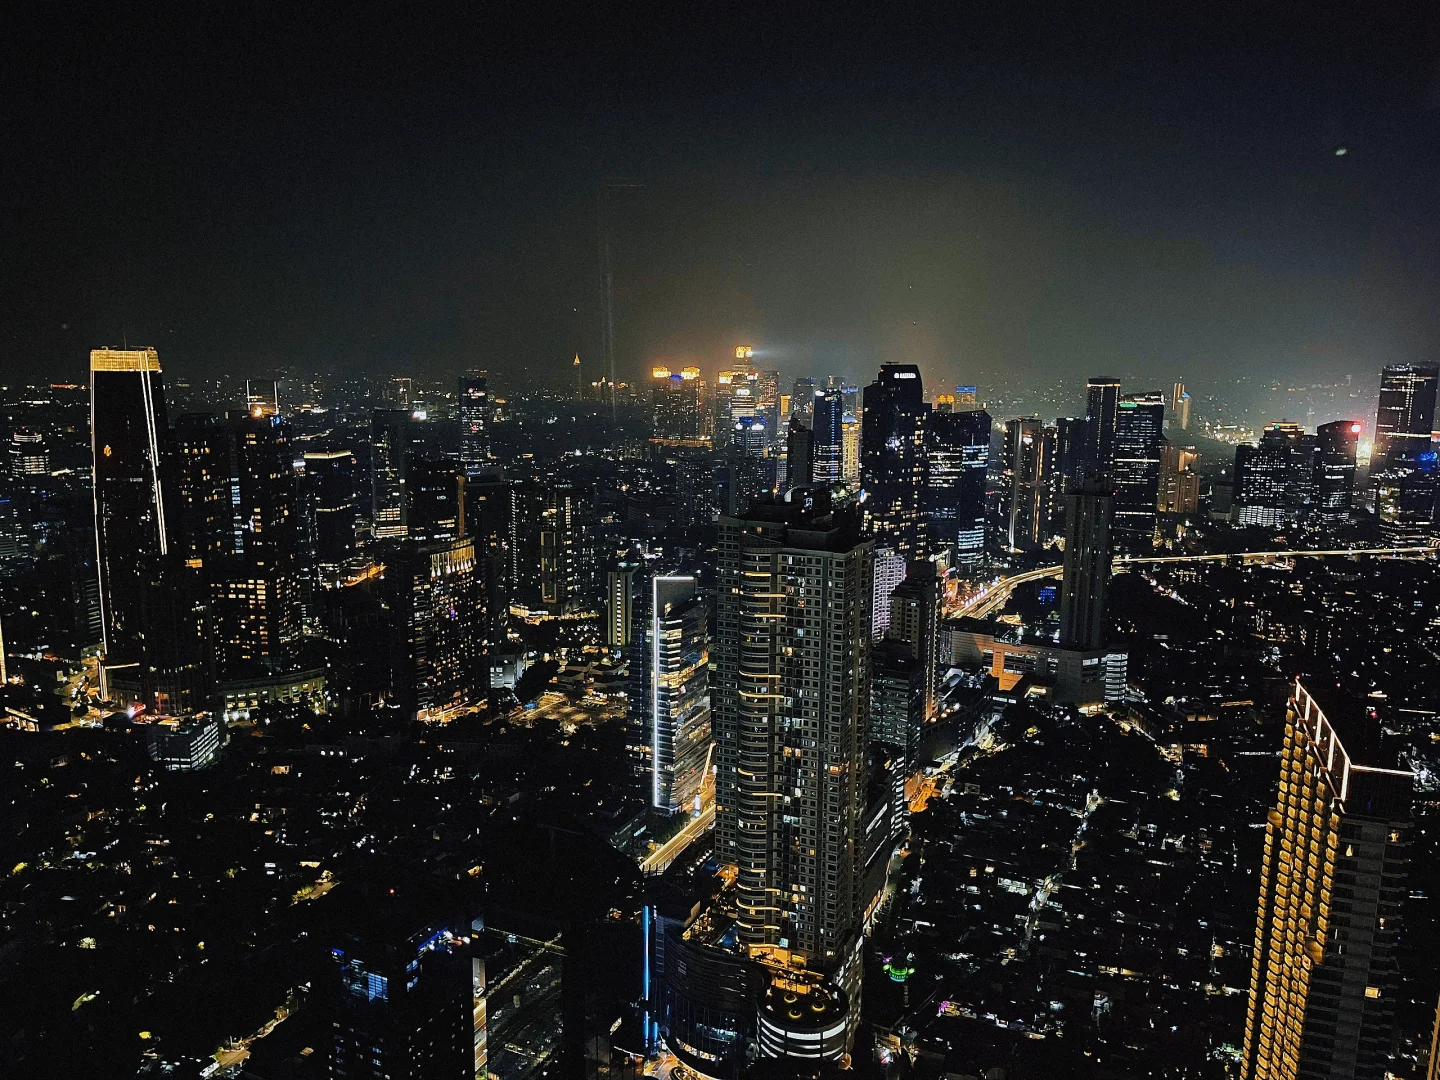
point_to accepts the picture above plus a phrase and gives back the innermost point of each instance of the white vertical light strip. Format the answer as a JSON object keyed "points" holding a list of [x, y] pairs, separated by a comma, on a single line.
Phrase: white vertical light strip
{"points": [[655, 691], [153, 436], [95, 499]]}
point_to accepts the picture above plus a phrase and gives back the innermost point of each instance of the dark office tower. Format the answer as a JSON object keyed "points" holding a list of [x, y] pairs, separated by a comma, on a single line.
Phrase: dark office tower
{"points": [[567, 550], [434, 499], [791, 694], [680, 729], [490, 519], [892, 460], [1102, 410], [1069, 466], [897, 714], [435, 651], [1025, 484], [914, 620], [390, 444], [828, 423], [257, 605], [1406, 415], [1335, 446], [201, 506], [475, 414], [1086, 572], [330, 488], [799, 454], [406, 996], [127, 425], [177, 670], [957, 453], [1135, 468], [1323, 984], [802, 397]]}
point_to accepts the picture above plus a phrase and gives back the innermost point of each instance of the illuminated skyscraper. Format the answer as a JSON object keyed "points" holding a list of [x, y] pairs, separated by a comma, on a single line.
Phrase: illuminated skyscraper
{"points": [[1135, 467], [1336, 444], [850, 449], [828, 424], [127, 426], [257, 597], [679, 705], [1406, 414], [892, 460], [475, 411], [28, 455], [437, 623], [1324, 984], [620, 604], [791, 695], [1275, 479], [1179, 483], [1102, 406], [675, 402], [957, 458]]}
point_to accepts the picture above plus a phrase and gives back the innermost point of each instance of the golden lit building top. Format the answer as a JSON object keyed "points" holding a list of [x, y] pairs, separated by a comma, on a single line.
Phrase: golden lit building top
{"points": [[108, 359], [744, 352]]}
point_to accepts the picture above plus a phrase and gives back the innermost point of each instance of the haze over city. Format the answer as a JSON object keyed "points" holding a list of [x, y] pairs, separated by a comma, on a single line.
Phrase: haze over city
{"points": [[706, 544]]}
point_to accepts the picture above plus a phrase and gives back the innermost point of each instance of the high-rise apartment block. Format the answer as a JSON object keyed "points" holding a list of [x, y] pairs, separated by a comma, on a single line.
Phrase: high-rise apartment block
{"points": [[791, 701], [1323, 982]]}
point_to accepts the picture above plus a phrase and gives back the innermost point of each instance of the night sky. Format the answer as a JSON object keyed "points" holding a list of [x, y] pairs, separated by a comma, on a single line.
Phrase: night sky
{"points": [[977, 191]]}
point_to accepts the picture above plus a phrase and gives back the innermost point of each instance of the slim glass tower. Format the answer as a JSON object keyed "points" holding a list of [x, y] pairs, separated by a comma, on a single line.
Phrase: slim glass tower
{"points": [[474, 421], [892, 459], [127, 424], [1086, 577], [1135, 467], [679, 694], [1102, 403]]}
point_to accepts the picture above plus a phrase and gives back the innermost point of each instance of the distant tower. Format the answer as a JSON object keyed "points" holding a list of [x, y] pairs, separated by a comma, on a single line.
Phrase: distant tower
{"points": [[474, 421], [892, 459], [127, 423], [579, 379], [1087, 568], [1134, 467], [1336, 445], [1323, 984], [1102, 403], [1406, 414]]}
